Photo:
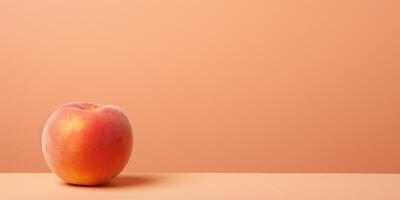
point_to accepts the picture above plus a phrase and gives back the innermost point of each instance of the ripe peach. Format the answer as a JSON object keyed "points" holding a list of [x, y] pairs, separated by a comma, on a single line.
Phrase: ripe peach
{"points": [[86, 143]]}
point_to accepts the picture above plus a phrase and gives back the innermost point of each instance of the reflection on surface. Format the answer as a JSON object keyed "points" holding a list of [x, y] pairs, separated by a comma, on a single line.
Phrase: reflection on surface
{"points": [[127, 181]]}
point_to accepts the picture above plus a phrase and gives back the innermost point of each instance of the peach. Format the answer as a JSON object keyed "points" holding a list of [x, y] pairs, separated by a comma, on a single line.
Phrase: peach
{"points": [[86, 143]]}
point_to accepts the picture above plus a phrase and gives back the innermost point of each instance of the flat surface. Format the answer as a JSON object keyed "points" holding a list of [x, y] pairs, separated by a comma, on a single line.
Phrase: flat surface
{"points": [[208, 186]]}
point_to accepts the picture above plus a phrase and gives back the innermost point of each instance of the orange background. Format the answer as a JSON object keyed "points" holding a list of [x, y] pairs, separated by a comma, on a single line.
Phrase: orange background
{"points": [[244, 86]]}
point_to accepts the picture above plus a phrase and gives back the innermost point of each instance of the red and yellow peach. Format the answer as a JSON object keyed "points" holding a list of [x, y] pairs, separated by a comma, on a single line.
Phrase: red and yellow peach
{"points": [[86, 143]]}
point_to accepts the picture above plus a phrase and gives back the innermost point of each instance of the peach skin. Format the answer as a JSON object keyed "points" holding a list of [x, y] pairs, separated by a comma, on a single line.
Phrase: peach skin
{"points": [[86, 143]]}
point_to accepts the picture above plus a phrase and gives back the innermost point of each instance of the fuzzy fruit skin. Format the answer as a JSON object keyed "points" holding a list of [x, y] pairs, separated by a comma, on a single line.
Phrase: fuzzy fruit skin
{"points": [[87, 144]]}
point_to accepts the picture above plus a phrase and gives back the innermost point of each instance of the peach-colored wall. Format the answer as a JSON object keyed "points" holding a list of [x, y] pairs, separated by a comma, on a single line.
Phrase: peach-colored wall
{"points": [[210, 85]]}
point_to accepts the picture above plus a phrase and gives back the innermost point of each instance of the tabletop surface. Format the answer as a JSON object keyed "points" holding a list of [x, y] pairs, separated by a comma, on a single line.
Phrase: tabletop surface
{"points": [[273, 186]]}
